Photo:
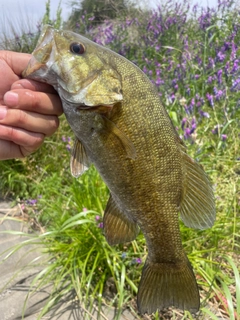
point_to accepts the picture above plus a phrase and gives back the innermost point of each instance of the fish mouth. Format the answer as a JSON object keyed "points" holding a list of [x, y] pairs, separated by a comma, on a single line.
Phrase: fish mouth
{"points": [[101, 108], [32, 66], [41, 55]]}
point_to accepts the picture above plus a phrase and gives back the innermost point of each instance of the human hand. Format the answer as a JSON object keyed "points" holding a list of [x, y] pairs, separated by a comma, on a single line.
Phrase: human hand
{"points": [[28, 112]]}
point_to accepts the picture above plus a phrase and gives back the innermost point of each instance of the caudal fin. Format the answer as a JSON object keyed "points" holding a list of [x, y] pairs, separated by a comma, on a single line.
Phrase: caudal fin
{"points": [[167, 284]]}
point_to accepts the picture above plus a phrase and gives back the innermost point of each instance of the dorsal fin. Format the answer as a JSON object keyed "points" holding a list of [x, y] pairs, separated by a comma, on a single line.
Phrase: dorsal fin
{"points": [[197, 208]]}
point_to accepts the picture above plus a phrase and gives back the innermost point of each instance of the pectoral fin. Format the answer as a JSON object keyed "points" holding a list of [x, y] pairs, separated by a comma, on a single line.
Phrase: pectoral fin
{"points": [[197, 208], [118, 228], [79, 162], [121, 136]]}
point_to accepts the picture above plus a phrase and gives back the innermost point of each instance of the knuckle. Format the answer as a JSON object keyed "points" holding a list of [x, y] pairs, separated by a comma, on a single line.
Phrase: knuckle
{"points": [[53, 125], [33, 98], [33, 143], [22, 117], [36, 140], [36, 101]]}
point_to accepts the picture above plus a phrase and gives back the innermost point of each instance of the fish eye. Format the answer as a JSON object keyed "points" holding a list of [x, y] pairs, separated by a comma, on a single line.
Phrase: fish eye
{"points": [[77, 48]]}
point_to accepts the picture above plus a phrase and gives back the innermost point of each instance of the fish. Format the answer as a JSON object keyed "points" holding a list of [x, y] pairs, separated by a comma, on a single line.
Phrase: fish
{"points": [[123, 129]]}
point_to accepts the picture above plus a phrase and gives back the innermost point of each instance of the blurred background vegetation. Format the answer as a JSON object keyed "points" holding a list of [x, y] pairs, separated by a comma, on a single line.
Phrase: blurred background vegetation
{"points": [[191, 53]]}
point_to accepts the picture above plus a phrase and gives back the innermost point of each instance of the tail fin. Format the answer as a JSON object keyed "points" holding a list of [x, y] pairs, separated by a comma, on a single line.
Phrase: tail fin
{"points": [[166, 284]]}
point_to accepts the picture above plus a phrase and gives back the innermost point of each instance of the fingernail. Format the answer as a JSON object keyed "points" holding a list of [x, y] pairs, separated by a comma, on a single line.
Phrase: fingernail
{"points": [[11, 99], [3, 112]]}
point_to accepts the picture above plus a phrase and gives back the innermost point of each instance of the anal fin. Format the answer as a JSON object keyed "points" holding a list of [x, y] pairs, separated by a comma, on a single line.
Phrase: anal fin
{"points": [[118, 228], [197, 207]]}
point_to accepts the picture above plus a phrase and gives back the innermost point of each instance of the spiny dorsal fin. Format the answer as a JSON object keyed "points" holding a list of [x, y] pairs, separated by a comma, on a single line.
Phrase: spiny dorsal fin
{"points": [[127, 144], [117, 226], [79, 162], [197, 208]]}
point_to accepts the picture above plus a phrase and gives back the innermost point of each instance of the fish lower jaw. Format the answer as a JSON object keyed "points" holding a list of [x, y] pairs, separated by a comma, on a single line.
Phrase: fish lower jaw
{"points": [[103, 109]]}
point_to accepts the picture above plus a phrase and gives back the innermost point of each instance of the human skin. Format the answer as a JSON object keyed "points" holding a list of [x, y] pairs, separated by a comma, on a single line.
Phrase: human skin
{"points": [[29, 110]]}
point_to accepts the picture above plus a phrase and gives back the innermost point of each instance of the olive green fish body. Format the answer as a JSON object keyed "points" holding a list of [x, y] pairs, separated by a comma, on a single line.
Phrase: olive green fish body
{"points": [[123, 129]]}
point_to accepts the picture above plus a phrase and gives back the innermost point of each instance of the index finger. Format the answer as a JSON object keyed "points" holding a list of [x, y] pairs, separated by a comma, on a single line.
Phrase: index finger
{"points": [[32, 85], [16, 60], [35, 101]]}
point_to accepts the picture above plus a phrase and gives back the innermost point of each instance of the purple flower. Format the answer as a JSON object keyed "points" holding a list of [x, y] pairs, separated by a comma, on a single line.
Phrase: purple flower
{"points": [[220, 56], [227, 45], [236, 85], [172, 97], [187, 133], [204, 114], [97, 218], [235, 67], [159, 81], [138, 260], [216, 129], [210, 80], [184, 120], [145, 69], [226, 68], [211, 64], [188, 91], [194, 125], [100, 225], [32, 202], [233, 53], [224, 137], [210, 99], [219, 76], [219, 95], [205, 19]]}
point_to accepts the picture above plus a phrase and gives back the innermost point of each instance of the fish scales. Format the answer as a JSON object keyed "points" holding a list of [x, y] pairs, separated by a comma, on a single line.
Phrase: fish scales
{"points": [[123, 129]]}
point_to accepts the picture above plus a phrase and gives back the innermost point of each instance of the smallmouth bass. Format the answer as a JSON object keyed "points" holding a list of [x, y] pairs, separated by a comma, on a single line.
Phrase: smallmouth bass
{"points": [[123, 129]]}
